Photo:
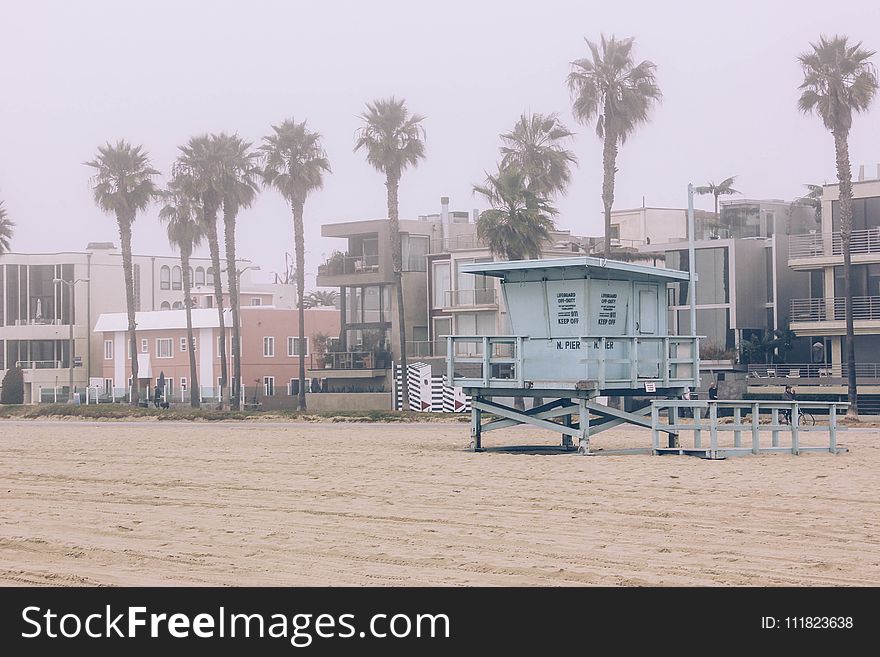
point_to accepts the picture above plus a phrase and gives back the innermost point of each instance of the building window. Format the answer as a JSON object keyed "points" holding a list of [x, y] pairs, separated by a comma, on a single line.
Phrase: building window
{"points": [[293, 347], [175, 277], [269, 347], [183, 384], [210, 273], [256, 301], [145, 346], [108, 386], [165, 277], [210, 301], [200, 276], [164, 347], [178, 305], [165, 306], [440, 284], [269, 385], [108, 349], [194, 343], [190, 269], [183, 344], [219, 345]]}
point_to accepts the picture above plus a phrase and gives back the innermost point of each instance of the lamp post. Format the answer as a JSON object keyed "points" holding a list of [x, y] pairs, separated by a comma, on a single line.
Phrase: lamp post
{"points": [[236, 342], [71, 286]]}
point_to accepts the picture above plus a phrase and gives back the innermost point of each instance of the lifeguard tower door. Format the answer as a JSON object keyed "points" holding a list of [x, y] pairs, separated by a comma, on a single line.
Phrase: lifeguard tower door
{"points": [[647, 316]]}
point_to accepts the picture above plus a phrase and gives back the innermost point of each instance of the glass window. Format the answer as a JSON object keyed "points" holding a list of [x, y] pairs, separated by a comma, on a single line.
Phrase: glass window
{"points": [[415, 250], [164, 347], [371, 304], [269, 386], [386, 303], [108, 349], [165, 306], [353, 306], [183, 344], [165, 277], [200, 276], [293, 347], [183, 384], [440, 283], [269, 347], [145, 346], [256, 301], [177, 305], [176, 278], [712, 272]]}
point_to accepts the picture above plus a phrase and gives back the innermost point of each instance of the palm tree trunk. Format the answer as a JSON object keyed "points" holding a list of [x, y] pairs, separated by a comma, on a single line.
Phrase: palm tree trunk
{"points": [[609, 160], [128, 270], [232, 279], [392, 182], [844, 177], [300, 254], [194, 393], [214, 247]]}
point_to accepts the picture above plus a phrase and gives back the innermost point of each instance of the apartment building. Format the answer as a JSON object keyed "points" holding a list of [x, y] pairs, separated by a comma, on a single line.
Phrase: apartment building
{"points": [[36, 313], [440, 300], [651, 225], [270, 356], [744, 283], [818, 315]]}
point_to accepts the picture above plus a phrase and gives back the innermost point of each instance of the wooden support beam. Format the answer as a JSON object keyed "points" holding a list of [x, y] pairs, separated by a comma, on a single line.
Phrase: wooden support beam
{"points": [[522, 417]]}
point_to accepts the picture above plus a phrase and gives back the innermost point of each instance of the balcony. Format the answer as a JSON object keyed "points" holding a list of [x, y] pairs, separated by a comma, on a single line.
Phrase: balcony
{"points": [[40, 364], [349, 364], [340, 264], [470, 298], [833, 309], [458, 243], [820, 249]]}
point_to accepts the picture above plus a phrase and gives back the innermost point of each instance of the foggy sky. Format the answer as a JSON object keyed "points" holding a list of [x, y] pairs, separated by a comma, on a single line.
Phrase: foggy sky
{"points": [[76, 74]]}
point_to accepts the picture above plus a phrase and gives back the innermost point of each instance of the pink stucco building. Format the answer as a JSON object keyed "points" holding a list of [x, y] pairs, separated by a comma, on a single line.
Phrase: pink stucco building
{"points": [[270, 349]]}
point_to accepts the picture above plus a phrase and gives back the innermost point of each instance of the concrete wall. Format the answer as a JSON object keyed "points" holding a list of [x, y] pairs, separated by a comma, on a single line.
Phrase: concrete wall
{"points": [[331, 401]]}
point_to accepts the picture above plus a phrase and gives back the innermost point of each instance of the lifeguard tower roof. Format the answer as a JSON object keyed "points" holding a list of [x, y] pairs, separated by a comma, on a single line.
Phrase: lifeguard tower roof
{"points": [[572, 268]]}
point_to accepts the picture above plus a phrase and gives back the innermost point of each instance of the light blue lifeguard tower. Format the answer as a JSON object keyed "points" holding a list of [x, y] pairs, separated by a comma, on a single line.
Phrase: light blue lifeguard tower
{"points": [[582, 328]]}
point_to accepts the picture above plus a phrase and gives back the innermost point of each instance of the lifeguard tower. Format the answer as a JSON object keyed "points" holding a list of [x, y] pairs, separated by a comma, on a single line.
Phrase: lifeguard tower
{"points": [[582, 328]]}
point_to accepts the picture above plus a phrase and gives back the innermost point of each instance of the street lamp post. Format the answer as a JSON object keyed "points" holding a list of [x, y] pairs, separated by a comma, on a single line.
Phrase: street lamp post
{"points": [[71, 285], [236, 338]]}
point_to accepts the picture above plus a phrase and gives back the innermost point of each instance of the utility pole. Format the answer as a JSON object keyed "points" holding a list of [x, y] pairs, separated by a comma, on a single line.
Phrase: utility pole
{"points": [[71, 287]]}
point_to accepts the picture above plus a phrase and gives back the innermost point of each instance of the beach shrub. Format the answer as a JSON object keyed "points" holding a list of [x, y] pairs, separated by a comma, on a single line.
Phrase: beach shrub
{"points": [[13, 387]]}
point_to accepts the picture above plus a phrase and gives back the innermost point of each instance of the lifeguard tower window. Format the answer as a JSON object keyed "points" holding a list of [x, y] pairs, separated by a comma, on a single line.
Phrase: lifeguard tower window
{"points": [[578, 324]]}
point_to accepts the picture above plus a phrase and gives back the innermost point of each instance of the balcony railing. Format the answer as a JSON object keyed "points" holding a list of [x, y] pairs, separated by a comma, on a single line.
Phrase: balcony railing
{"points": [[351, 360], [458, 243], [39, 364], [487, 297], [817, 310], [38, 321], [339, 265], [830, 244], [815, 371]]}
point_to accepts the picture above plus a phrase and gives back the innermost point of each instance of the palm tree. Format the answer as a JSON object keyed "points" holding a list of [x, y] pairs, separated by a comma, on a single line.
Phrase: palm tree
{"points": [[519, 220], [321, 298], [813, 199], [724, 188], [535, 146], [199, 167], [6, 229], [393, 140], [123, 186], [619, 94], [294, 164], [181, 215], [238, 181], [839, 79]]}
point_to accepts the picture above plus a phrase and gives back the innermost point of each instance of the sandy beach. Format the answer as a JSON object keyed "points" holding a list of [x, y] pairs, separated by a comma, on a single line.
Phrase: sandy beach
{"points": [[368, 504]]}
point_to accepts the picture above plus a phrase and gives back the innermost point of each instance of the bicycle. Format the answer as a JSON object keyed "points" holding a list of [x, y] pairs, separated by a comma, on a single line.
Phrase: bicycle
{"points": [[804, 419]]}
